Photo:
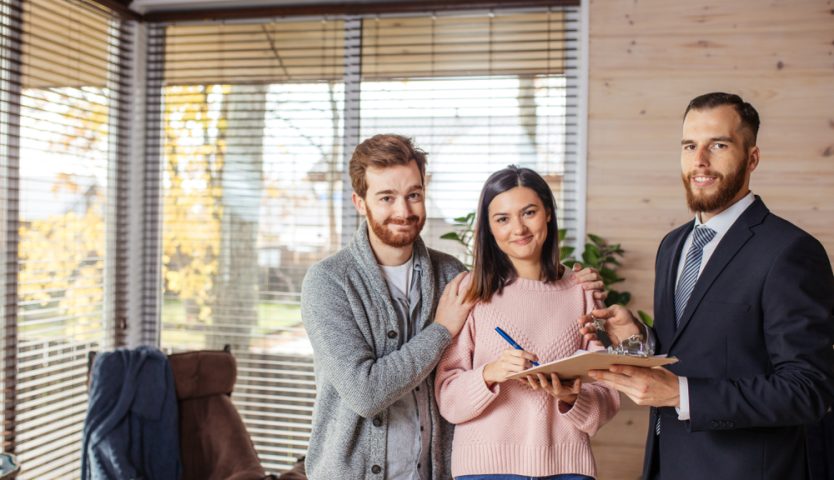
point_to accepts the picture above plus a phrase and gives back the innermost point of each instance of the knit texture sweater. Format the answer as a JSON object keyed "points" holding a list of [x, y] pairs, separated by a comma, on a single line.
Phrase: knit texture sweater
{"points": [[511, 428]]}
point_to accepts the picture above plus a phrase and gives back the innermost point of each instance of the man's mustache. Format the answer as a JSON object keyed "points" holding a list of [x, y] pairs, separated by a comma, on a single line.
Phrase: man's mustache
{"points": [[411, 220]]}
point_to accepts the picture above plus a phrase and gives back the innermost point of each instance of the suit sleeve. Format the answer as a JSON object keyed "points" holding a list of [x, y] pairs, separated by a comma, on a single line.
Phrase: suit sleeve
{"points": [[797, 305], [346, 360]]}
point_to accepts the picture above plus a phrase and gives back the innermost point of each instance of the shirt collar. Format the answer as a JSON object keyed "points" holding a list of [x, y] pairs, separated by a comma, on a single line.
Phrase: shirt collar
{"points": [[724, 220]]}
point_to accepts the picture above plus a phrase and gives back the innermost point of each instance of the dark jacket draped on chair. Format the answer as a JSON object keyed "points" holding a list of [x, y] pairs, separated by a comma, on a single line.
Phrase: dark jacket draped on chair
{"points": [[131, 425]]}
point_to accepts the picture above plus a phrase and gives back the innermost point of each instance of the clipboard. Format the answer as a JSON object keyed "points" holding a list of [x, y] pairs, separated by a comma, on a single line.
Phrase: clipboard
{"points": [[578, 364]]}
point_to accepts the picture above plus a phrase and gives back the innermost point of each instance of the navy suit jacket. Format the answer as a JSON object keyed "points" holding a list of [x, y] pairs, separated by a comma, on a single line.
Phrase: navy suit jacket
{"points": [[755, 343]]}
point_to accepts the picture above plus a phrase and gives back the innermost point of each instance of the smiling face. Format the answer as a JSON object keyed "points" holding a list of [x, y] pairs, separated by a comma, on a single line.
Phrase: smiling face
{"points": [[394, 204], [518, 221], [716, 160]]}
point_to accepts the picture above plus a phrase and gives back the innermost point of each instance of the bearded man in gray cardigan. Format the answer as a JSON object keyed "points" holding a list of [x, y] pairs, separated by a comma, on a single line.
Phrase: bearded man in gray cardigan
{"points": [[378, 328], [369, 311]]}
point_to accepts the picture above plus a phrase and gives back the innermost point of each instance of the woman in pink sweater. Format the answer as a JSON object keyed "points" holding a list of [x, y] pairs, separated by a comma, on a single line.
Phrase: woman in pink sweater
{"points": [[538, 428]]}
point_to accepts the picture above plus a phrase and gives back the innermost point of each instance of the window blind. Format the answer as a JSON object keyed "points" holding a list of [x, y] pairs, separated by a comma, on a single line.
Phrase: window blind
{"points": [[251, 121], [255, 121], [478, 91], [62, 141]]}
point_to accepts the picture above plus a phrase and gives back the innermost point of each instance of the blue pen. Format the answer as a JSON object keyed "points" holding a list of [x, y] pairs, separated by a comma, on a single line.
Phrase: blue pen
{"points": [[510, 340]]}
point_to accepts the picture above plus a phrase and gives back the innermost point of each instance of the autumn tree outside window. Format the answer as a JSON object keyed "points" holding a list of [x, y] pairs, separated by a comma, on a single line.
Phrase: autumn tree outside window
{"points": [[62, 150]]}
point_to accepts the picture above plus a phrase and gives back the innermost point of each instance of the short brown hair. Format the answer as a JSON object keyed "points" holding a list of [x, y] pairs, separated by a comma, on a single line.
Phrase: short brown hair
{"points": [[749, 116], [384, 150]]}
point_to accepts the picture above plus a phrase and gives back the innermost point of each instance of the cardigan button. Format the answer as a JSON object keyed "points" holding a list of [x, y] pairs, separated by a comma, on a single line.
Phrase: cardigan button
{"points": [[376, 469], [392, 334], [377, 421]]}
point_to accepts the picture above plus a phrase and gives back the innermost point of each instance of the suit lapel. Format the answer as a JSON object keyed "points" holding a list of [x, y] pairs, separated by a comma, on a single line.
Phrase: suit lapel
{"points": [[738, 235]]}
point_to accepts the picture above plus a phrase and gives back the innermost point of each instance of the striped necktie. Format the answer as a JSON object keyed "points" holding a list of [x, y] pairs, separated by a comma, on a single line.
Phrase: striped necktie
{"points": [[691, 268], [689, 276]]}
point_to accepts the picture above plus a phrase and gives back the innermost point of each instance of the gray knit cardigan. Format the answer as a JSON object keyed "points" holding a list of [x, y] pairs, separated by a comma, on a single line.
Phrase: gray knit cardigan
{"points": [[350, 319]]}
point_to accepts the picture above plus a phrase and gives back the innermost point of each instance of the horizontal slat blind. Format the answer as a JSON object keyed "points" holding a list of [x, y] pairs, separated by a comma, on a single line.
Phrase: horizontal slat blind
{"points": [[62, 136], [253, 119], [476, 44], [478, 91], [254, 52], [252, 128]]}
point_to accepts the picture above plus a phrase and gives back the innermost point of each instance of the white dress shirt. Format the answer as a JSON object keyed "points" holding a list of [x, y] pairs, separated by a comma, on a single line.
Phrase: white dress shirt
{"points": [[721, 223]]}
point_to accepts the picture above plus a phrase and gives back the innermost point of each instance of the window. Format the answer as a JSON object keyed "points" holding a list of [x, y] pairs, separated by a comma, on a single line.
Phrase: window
{"points": [[252, 120], [478, 91], [61, 140], [257, 120]]}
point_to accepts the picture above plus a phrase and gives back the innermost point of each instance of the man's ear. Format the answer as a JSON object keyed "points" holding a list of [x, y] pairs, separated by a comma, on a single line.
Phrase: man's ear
{"points": [[753, 158], [359, 203]]}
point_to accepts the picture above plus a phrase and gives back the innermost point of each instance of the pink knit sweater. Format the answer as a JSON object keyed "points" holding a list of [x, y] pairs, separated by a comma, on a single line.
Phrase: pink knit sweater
{"points": [[511, 428]]}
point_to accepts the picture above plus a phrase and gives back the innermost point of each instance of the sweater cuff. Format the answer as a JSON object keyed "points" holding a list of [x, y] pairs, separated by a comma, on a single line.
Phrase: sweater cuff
{"points": [[581, 410], [480, 395], [438, 335]]}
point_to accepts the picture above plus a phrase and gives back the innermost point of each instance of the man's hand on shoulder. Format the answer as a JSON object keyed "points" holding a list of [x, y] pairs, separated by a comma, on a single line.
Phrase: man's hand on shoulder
{"points": [[452, 309]]}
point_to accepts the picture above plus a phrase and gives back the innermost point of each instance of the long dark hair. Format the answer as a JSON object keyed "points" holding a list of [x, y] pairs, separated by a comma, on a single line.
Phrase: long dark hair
{"points": [[492, 269]]}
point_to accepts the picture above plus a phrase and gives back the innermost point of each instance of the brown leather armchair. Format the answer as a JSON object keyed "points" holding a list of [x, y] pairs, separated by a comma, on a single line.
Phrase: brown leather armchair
{"points": [[214, 443]]}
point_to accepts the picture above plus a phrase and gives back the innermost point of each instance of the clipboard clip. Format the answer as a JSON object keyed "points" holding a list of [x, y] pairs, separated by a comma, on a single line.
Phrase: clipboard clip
{"points": [[634, 346]]}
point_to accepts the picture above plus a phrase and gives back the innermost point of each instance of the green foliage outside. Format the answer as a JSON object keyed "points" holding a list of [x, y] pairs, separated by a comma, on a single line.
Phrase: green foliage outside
{"points": [[179, 330]]}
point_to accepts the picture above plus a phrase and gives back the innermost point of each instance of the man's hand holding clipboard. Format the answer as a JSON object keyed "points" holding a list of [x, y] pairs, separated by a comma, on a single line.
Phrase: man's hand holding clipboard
{"points": [[643, 384]]}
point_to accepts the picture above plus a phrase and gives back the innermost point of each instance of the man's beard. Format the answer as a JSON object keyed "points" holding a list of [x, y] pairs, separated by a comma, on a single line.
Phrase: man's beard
{"points": [[397, 240], [728, 188]]}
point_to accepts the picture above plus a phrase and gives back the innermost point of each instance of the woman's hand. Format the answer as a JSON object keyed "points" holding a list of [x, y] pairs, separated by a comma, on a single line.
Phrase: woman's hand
{"points": [[510, 362], [590, 279], [564, 392]]}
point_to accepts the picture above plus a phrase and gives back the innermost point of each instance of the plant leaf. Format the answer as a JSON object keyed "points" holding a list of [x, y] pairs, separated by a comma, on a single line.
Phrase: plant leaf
{"points": [[625, 298], [596, 239], [646, 318]]}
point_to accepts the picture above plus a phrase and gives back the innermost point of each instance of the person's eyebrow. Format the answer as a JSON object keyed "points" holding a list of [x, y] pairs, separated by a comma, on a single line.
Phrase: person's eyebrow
{"points": [[722, 138], [390, 191], [520, 210]]}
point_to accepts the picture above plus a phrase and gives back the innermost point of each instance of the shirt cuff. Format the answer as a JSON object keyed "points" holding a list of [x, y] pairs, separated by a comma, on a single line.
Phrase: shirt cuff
{"points": [[683, 392]]}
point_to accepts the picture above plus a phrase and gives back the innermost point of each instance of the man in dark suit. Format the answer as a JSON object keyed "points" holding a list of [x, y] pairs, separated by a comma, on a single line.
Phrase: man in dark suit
{"points": [[745, 300]]}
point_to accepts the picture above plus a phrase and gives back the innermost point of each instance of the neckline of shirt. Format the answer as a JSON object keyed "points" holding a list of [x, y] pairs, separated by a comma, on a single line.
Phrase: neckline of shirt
{"points": [[564, 283]]}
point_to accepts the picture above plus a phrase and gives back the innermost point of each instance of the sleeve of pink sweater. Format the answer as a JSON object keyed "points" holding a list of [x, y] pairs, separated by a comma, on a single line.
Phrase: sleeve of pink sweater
{"points": [[460, 390], [594, 407], [596, 404]]}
